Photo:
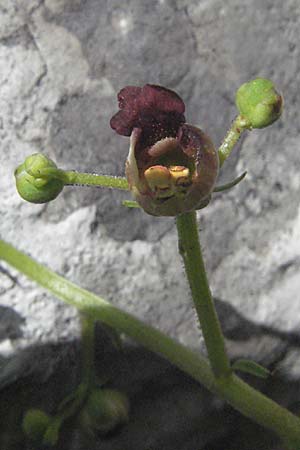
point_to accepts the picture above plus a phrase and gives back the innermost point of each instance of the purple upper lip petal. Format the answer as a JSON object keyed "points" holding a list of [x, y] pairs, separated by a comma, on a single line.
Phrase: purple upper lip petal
{"points": [[157, 111]]}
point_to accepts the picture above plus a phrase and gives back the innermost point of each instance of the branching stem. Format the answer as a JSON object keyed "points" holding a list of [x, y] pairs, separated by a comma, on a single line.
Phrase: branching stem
{"points": [[241, 396]]}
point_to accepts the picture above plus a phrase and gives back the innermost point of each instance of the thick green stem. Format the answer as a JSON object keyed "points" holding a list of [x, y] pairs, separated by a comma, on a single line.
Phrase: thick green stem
{"points": [[237, 127], [241, 396], [190, 250]]}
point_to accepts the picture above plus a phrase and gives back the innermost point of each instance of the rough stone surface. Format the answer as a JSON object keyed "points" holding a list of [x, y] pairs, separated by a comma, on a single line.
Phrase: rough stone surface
{"points": [[62, 63]]}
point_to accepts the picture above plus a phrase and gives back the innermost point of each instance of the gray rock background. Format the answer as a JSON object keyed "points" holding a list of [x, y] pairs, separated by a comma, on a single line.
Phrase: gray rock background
{"points": [[62, 63]]}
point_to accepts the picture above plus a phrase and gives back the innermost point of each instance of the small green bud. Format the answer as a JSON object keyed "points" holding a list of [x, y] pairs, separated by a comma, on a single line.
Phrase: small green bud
{"points": [[259, 103], [38, 179], [104, 410], [35, 424]]}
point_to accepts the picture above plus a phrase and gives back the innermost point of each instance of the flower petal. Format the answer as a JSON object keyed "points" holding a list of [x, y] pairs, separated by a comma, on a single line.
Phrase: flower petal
{"points": [[199, 147], [122, 123], [161, 99], [128, 96], [156, 110]]}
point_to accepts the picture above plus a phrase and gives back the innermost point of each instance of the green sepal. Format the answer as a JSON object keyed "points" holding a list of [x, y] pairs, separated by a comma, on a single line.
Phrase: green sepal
{"points": [[248, 366]]}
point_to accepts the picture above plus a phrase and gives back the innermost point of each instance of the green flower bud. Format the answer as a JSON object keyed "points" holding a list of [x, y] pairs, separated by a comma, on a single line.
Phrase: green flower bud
{"points": [[38, 179], [35, 424], [259, 103], [104, 410]]}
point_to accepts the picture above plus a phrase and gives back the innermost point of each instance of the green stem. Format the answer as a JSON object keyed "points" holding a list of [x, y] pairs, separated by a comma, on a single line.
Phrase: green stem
{"points": [[99, 309], [90, 179], [87, 348], [237, 127], [72, 404], [241, 396], [80, 178], [130, 204], [68, 408], [190, 250]]}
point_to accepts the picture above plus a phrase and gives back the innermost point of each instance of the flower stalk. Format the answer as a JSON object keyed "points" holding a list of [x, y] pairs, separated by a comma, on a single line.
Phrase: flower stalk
{"points": [[238, 126], [190, 250], [92, 179]]}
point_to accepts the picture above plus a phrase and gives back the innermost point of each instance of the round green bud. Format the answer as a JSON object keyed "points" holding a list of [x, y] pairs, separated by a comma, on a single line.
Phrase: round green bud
{"points": [[35, 424], [104, 410], [38, 180], [259, 103]]}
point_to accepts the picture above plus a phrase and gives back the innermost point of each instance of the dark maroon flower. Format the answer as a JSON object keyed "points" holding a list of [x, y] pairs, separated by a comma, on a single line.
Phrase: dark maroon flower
{"points": [[172, 166], [157, 111]]}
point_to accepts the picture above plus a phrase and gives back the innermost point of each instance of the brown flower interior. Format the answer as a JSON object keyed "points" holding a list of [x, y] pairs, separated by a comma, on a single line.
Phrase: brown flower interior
{"points": [[166, 169]]}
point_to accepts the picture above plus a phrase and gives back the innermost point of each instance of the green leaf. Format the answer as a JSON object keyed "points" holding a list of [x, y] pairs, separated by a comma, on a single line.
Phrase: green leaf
{"points": [[248, 366]]}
